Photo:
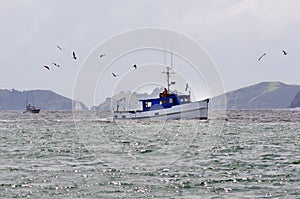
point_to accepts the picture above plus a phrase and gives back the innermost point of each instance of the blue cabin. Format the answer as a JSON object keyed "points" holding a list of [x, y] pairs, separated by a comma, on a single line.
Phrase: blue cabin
{"points": [[165, 102]]}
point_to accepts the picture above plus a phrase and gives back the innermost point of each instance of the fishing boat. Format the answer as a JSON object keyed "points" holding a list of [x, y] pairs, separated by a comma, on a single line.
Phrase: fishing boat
{"points": [[169, 105], [31, 108]]}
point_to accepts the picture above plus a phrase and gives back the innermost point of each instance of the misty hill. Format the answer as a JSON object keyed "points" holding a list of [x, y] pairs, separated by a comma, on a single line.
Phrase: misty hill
{"points": [[43, 99], [296, 101], [265, 95], [126, 100]]}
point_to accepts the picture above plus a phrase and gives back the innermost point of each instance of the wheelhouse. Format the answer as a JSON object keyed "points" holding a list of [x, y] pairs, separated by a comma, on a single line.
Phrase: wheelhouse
{"points": [[161, 103], [184, 99]]}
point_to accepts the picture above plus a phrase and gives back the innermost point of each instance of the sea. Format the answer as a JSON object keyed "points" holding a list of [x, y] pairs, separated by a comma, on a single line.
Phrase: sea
{"points": [[86, 154]]}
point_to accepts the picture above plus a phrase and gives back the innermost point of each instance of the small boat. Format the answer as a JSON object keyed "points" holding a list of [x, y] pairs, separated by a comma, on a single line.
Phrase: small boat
{"points": [[168, 106], [31, 108]]}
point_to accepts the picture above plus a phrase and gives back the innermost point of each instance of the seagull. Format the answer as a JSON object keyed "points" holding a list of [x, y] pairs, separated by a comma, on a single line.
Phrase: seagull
{"points": [[60, 48], [102, 55], [134, 66], [284, 52], [262, 56], [55, 64], [115, 75], [47, 67], [74, 55]]}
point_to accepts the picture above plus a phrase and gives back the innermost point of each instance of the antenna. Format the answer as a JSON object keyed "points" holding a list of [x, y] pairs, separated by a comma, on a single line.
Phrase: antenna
{"points": [[168, 72], [165, 54], [171, 59], [165, 57]]}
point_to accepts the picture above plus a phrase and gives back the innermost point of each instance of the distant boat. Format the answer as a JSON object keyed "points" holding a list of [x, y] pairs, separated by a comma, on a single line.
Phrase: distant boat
{"points": [[168, 106], [31, 108]]}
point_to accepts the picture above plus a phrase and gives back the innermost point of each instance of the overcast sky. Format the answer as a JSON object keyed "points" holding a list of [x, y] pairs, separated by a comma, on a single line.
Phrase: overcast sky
{"points": [[233, 32]]}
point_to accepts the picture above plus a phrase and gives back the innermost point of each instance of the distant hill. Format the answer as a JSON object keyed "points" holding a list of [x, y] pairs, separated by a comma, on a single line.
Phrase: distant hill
{"points": [[265, 95], [296, 101], [43, 99]]}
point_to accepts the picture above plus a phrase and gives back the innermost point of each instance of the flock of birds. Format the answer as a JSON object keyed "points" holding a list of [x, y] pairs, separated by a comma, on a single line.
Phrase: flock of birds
{"points": [[134, 66], [283, 51], [56, 64], [75, 57]]}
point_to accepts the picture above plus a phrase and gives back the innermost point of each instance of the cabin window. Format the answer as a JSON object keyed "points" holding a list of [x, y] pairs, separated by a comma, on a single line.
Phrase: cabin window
{"points": [[123, 116], [116, 116], [148, 104], [162, 101]]}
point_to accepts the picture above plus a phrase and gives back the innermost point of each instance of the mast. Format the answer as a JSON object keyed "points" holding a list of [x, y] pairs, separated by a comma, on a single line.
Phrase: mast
{"points": [[168, 73], [32, 99], [169, 69], [26, 98]]}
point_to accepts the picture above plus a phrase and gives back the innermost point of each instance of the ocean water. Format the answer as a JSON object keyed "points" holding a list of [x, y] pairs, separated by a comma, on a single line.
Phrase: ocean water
{"points": [[240, 154]]}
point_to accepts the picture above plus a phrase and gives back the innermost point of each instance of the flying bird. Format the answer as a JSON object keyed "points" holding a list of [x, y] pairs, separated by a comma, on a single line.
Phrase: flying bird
{"points": [[47, 67], [262, 56], [134, 66], [60, 48], [284, 52], [102, 55], [115, 75], [74, 55], [55, 64]]}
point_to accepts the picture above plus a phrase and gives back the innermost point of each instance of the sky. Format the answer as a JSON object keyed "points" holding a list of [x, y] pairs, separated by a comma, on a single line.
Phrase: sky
{"points": [[234, 33]]}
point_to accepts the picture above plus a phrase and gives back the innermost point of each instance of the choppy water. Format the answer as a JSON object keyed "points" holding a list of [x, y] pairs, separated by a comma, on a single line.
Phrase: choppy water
{"points": [[246, 154]]}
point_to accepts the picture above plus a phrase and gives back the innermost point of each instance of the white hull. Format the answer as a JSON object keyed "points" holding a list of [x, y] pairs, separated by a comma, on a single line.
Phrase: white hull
{"points": [[193, 110]]}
